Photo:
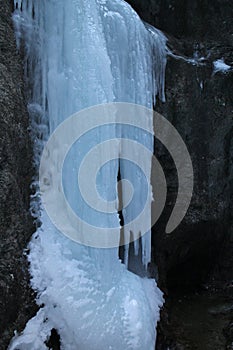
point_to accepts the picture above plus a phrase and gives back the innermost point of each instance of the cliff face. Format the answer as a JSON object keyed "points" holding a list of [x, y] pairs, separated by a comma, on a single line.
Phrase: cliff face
{"points": [[15, 176], [200, 105]]}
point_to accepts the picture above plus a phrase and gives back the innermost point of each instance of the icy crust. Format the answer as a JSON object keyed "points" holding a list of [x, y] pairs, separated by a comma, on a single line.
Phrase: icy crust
{"points": [[78, 54], [221, 66], [92, 307]]}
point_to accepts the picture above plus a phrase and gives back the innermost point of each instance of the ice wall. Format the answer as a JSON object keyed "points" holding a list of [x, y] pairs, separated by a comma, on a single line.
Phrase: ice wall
{"points": [[79, 53]]}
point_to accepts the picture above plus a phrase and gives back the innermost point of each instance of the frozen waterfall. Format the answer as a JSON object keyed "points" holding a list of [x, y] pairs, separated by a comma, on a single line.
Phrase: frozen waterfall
{"points": [[81, 53]]}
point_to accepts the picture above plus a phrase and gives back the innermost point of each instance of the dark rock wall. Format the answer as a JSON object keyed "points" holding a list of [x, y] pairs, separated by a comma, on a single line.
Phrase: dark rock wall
{"points": [[16, 305], [200, 105], [203, 116], [197, 20]]}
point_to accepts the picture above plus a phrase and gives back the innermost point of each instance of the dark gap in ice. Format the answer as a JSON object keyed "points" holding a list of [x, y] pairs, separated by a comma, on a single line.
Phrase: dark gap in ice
{"points": [[54, 340]]}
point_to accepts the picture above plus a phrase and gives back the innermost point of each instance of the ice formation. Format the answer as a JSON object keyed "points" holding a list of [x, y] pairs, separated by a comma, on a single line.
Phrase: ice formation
{"points": [[79, 53], [221, 66]]}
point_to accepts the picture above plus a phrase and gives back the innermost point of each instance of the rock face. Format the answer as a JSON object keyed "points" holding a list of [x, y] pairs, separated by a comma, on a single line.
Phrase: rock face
{"points": [[15, 176], [199, 104]]}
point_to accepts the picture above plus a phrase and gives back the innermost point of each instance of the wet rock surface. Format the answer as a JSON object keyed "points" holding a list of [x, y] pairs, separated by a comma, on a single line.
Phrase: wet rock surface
{"points": [[16, 299]]}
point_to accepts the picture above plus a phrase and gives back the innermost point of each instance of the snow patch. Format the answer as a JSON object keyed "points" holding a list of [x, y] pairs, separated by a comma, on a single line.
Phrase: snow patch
{"points": [[221, 66]]}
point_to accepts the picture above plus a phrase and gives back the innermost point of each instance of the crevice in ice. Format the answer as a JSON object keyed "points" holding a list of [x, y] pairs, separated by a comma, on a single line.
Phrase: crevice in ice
{"points": [[120, 213], [135, 264], [130, 254], [54, 342]]}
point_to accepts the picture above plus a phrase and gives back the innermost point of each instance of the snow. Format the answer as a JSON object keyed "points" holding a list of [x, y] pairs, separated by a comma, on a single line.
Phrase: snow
{"points": [[91, 307], [80, 54], [221, 66]]}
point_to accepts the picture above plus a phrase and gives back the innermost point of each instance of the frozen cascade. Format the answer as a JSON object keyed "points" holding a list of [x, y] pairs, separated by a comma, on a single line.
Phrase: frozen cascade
{"points": [[79, 53]]}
